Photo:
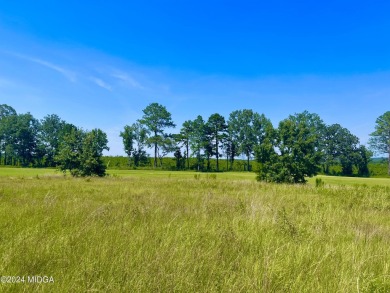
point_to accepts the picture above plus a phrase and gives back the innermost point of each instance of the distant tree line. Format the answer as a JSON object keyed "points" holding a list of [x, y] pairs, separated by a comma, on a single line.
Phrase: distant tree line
{"points": [[300, 146], [377, 167], [50, 142]]}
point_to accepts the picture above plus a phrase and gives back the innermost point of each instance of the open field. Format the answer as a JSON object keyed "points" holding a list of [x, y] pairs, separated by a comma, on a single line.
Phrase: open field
{"points": [[168, 231], [328, 180]]}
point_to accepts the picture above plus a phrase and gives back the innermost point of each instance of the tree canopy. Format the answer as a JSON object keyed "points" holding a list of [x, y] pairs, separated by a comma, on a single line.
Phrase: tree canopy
{"points": [[80, 152], [380, 138], [156, 118], [298, 148]]}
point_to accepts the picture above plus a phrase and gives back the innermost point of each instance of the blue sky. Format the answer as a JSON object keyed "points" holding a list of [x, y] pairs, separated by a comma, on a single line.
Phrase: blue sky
{"points": [[99, 63]]}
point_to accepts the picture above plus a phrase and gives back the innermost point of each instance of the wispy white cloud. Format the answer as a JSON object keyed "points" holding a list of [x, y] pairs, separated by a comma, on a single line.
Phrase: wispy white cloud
{"points": [[127, 79], [70, 75], [101, 83]]}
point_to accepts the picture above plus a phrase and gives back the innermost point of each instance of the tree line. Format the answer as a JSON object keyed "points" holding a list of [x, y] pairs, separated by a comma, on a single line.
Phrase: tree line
{"points": [[299, 146], [50, 142]]}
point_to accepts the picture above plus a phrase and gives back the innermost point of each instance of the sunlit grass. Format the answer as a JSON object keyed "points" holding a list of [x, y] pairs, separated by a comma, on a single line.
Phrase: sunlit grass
{"points": [[339, 180], [164, 232]]}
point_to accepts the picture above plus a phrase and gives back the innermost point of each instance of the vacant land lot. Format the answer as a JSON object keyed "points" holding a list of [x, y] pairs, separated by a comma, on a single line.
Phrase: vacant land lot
{"points": [[162, 232]]}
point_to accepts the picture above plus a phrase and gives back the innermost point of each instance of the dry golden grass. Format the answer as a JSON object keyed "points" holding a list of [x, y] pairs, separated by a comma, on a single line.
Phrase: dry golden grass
{"points": [[177, 233]]}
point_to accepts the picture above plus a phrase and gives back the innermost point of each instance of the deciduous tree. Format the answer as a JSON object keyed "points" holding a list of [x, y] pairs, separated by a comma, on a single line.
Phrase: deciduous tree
{"points": [[295, 156], [8, 118], [50, 135], [340, 146], [134, 141], [380, 138], [80, 152]]}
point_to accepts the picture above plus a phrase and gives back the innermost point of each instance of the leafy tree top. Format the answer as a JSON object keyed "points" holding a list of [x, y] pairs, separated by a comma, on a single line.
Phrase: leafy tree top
{"points": [[380, 138], [156, 118]]}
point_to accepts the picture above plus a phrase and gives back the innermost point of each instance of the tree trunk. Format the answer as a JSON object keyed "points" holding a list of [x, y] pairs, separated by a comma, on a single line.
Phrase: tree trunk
{"points": [[248, 169], [188, 161], [155, 150], [217, 154], [227, 161], [388, 170], [155, 154]]}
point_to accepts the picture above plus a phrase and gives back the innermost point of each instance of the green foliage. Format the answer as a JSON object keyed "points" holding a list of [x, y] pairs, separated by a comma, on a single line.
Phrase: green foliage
{"points": [[134, 140], [180, 160], [378, 168], [7, 138], [197, 140], [215, 133], [81, 153], [319, 182], [380, 138], [184, 138], [341, 148], [94, 143], [50, 136], [70, 149], [128, 140], [6, 111], [248, 131], [156, 118], [294, 155], [18, 138], [283, 155]]}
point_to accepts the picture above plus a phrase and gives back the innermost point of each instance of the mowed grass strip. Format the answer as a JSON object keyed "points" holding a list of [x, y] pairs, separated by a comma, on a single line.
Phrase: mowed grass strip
{"points": [[185, 234]]}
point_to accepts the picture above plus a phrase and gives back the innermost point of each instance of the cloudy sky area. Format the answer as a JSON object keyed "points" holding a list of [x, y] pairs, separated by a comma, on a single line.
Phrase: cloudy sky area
{"points": [[98, 64]]}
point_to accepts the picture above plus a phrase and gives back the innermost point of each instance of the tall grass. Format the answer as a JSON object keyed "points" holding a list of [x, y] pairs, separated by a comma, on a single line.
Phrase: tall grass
{"points": [[186, 234]]}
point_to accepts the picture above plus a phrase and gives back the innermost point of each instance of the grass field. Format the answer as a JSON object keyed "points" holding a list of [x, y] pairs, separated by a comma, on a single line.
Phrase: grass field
{"points": [[144, 231]]}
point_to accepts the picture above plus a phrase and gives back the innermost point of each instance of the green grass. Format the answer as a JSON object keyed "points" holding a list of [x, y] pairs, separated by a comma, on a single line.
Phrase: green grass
{"points": [[339, 180], [170, 232], [27, 172], [330, 180]]}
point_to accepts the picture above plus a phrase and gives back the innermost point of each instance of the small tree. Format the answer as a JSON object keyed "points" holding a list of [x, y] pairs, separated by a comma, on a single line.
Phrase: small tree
{"points": [[380, 138], [94, 143], [179, 159], [128, 141], [134, 140], [80, 152], [295, 156], [70, 149]]}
